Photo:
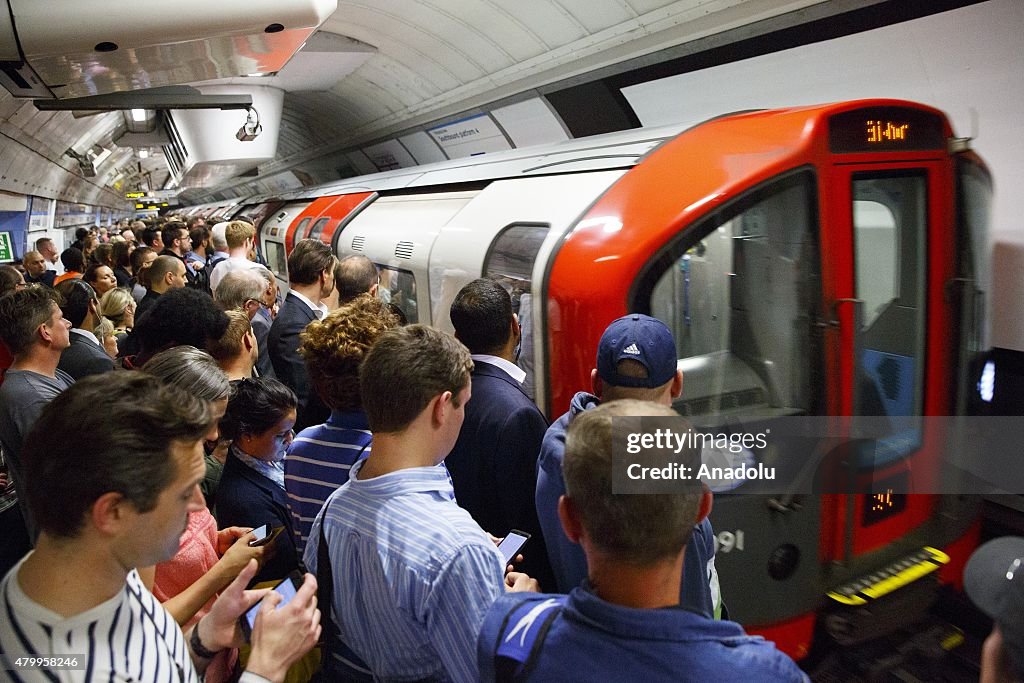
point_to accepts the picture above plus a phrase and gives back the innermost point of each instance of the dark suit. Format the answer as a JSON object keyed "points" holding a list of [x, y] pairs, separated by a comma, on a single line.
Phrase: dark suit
{"points": [[494, 463], [289, 367], [46, 278], [261, 329], [84, 357], [247, 498]]}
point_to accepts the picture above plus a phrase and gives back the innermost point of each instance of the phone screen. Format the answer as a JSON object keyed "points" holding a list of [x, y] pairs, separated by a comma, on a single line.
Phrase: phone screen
{"points": [[287, 590], [511, 544], [259, 534]]}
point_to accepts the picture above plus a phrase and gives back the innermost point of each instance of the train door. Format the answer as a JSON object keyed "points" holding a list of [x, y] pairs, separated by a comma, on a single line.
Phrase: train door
{"points": [[397, 233], [272, 240], [893, 213]]}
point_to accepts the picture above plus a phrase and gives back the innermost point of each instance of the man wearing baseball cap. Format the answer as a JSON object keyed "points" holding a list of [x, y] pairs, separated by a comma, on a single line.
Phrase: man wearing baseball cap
{"points": [[636, 359], [994, 580]]}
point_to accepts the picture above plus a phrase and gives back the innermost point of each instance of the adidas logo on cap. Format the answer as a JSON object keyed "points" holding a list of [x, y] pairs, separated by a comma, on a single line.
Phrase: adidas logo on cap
{"points": [[632, 350]]}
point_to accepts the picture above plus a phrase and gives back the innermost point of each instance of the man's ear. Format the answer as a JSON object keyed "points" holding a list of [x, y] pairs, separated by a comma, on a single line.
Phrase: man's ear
{"points": [[110, 512], [441, 404], [707, 501], [373, 289], [677, 384], [595, 383], [249, 340], [570, 519]]}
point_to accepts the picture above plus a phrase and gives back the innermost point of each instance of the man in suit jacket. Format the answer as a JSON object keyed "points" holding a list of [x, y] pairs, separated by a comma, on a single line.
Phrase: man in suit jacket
{"points": [[85, 356], [493, 464], [310, 279]]}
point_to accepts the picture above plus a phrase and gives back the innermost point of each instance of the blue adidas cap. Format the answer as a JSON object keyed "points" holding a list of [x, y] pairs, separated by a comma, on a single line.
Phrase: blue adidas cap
{"points": [[641, 338]]}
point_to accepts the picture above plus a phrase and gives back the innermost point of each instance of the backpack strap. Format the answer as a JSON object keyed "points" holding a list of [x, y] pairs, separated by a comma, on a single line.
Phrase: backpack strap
{"points": [[521, 637]]}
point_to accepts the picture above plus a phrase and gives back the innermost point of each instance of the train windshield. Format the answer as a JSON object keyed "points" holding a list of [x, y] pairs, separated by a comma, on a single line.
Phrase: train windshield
{"points": [[740, 293]]}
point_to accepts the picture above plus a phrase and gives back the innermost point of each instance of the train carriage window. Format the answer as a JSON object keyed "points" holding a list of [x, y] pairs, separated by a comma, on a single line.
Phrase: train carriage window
{"points": [[398, 287], [740, 293], [318, 228], [300, 230], [510, 261], [889, 228], [276, 259]]}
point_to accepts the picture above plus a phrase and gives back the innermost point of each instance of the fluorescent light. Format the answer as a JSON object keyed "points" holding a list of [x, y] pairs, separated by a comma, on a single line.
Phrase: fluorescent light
{"points": [[138, 115], [143, 153]]}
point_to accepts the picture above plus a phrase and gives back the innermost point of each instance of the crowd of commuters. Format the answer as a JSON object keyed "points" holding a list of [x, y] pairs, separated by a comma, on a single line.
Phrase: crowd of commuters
{"points": [[146, 434]]}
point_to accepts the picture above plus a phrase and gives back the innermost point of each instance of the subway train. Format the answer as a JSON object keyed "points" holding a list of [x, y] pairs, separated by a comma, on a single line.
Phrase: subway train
{"points": [[790, 251]]}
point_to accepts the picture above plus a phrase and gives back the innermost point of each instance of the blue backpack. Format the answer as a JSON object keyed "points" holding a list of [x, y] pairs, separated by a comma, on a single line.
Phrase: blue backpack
{"points": [[521, 636]]}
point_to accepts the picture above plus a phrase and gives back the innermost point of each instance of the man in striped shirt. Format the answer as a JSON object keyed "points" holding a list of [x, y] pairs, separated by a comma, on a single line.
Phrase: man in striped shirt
{"points": [[106, 503], [320, 457], [413, 574]]}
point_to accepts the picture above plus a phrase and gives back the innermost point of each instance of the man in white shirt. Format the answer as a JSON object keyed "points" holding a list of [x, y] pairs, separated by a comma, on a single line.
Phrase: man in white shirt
{"points": [[241, 240], [113, 502]]}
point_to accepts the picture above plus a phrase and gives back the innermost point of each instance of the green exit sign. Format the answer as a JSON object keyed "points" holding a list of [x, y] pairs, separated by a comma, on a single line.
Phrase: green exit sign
{"points": [[6, 247]]}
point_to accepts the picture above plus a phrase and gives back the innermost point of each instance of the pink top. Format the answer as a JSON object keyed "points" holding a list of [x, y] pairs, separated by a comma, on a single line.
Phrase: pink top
{"points": [[197, 553]]}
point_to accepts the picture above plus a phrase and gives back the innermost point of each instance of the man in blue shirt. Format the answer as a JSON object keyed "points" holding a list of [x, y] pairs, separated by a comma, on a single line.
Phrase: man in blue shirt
{"points": [[625, 622], [412, 573], [636, 358], [320, 457]]}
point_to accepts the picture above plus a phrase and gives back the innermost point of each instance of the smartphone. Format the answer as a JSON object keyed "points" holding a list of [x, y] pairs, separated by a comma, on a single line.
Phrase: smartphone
{"points": [[260, 534], [511, 544], [263, 537], [287, 589]]}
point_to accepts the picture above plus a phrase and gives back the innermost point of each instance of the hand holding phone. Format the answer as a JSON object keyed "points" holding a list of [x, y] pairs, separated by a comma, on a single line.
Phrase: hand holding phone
{"points": [[511, 544], [259, 534], [264, 537], [287, 589]]}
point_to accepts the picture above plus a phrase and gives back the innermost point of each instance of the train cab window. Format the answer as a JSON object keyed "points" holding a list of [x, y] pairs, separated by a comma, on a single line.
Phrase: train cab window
{"points": [[740, 293], [318, 228], [398, 287], [974, 272], [889, 228], [300, 230], [277, 261], [510, 261]]}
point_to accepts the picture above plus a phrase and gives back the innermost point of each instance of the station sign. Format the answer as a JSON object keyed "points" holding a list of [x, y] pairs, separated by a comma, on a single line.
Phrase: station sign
{"points": [[6, 247]]}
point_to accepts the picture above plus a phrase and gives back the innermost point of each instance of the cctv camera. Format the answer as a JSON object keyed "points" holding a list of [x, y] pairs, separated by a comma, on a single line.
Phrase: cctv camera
{"points": [[248, 132]]}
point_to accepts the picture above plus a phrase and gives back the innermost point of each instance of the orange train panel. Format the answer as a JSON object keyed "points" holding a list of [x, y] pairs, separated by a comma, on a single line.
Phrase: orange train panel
{"points": [[336, 208]]}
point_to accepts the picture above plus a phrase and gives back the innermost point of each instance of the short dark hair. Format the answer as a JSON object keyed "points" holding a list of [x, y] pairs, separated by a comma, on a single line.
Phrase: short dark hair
{"points": [[405, 369], [171, 231], [354, 275], [21, 314], [10, 278], [198, 233], [181, 316], [335, 346], [161, 266], [126, 449], [137, 257], [149, 236], [308, 259], [482, 315], [76, 295], [121, 254], [90, 272], [638, 530], [73, 259], [81, 233], [255, 406]]}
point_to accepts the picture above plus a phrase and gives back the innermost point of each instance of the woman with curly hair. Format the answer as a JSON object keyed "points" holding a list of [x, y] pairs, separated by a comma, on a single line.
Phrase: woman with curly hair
{"points": [[320, 457]]}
